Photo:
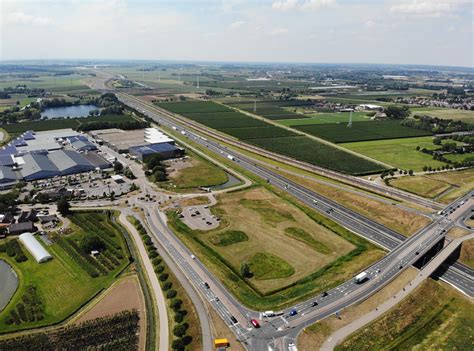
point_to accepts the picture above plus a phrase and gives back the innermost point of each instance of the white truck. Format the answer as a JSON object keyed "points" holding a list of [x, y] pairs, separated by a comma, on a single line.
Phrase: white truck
{"points": [[361, 277], [230, 157], [268, 314]]}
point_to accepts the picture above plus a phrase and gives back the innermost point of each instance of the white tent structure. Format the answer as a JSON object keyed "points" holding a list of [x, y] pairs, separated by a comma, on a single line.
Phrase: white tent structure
{"points": [[34, 247]]}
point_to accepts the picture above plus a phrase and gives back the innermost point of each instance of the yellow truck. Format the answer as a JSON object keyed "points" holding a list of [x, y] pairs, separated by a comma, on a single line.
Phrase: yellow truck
{"points": [[221, 343]]}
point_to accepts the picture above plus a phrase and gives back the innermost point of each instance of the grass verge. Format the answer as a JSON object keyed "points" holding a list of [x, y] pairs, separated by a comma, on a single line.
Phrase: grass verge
{"points": [[445, 321]]}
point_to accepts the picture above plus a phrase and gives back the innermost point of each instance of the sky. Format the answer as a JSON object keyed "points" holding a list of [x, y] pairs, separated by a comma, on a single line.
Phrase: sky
{"points": [[429, 32]]}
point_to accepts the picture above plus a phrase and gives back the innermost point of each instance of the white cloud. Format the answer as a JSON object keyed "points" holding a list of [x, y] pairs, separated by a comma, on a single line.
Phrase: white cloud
{"points": [[19, 17], [369, 24], [426, 8], [236, 24], [306, 5], [317, 4], [278, 31], [284, 5]]}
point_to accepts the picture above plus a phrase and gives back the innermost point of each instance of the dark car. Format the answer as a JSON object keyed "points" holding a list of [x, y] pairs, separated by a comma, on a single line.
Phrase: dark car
{"points": [[293, 312], [314, 304], [233, 319], [324, 294], [206, 285]]}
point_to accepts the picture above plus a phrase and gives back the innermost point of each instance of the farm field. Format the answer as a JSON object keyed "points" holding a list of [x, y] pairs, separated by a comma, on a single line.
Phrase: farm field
{"points": [[49, 82], [259, 132], [312, 151], [271, 109], [361, 131], [445, 113], [433, 184], [252, 230], [400, 153], [459, 157], [326, 118], [62, 279], [280, 141], [444, 321]]}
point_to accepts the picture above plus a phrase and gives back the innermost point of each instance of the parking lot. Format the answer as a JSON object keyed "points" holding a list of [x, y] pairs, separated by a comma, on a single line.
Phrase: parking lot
{"points": [[199, 217], [84, 185]]}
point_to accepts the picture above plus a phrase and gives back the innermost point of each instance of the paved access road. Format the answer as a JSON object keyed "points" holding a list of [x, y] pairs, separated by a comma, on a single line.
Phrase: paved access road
{"points": [[346, 294], [458, 275]]}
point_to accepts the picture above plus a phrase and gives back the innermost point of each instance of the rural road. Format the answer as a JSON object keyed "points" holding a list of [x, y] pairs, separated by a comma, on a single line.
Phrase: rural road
{"points": [[339, 335], [155, 285]]}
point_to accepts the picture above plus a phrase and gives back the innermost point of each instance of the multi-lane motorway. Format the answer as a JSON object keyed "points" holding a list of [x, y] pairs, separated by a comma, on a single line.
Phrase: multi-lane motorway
{"points": [[380, 274]]}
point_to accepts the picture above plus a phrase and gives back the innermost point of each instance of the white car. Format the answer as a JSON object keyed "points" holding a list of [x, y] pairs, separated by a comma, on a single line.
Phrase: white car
{"points": [[193, 257]]}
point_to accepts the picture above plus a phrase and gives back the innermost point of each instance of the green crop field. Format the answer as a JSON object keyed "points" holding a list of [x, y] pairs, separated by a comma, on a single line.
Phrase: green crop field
{"points": [[275, 139], [258, 132], [400, 153], [312, 151], [326, 118], [193, 107], [269, 109], [445, 113], [63, 285], [361, 131]]}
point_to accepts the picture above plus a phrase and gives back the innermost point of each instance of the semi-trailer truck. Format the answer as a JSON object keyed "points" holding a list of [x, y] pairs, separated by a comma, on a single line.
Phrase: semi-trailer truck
{"points": [[361, 277]]}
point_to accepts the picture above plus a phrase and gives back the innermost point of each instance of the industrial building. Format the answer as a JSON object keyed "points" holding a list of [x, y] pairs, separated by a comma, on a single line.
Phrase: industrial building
{"points": [[70, 162], [122, 140], [48, 154], [166, 151], [81, 143], [7, 176], [34, 247], [37, 166]]}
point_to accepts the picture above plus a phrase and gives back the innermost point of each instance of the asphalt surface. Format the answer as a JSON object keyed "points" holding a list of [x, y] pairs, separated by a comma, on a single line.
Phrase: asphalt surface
{"points": [[380, 274], [370, 230]]}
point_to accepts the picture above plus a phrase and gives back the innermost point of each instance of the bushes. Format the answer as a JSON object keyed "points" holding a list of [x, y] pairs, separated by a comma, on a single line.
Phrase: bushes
{"points": [[13, 249], [171, 294], [30, 308]]}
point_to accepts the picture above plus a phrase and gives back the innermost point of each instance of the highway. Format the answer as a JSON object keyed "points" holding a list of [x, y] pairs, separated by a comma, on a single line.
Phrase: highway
{"points": [[352, 180], [344, 295], [459, 275]]}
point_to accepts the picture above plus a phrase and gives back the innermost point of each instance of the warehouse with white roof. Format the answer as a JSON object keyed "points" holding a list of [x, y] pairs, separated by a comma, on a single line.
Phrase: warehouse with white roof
{"points": [[34, 247]]}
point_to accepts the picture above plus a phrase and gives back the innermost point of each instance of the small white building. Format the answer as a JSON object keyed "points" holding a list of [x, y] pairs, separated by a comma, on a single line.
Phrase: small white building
{"points": [[370, 107], [34, 247]]}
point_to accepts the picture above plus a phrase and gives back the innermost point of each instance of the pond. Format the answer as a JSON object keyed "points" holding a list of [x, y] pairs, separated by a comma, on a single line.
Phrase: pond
{"points": [[9, 283], [231, 181], [68, 111]]}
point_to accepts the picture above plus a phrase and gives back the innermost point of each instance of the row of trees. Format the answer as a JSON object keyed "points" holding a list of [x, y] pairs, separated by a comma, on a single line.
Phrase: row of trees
{"points": [[181, 327]]}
